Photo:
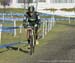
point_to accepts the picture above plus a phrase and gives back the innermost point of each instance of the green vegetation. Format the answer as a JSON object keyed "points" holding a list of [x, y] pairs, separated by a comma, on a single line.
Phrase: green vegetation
{"points": [[11, 56], [9, 37], [60, 27], [68, 9], [19, 36], [14, 10]]}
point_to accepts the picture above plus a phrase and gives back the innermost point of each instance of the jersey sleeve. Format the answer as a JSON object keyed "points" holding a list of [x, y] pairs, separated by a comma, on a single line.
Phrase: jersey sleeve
{"points": [[25, 18]]}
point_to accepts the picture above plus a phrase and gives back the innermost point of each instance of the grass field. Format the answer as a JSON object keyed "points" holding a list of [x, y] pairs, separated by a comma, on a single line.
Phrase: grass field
{"points": [[8, 10], [7, 56], [13, 55], [8, 37]]}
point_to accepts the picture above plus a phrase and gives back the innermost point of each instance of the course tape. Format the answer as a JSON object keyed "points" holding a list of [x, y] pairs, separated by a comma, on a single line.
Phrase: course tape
{"points": [[22, 14], [17, 19], [10, 19], [9, 29], [12, 44], [9, 14]]}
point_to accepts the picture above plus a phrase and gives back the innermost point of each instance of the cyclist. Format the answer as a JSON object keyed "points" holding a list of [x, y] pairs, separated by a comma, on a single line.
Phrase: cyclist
{"points": [[31, 17]]}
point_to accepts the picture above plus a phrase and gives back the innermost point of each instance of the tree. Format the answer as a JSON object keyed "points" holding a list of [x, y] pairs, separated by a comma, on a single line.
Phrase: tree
{"points": [[5, 3]]}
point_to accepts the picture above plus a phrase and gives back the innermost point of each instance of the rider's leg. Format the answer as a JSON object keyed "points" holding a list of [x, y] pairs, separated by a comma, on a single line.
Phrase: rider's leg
{"points": [[28, 39], [36, 32], [28, 36]]}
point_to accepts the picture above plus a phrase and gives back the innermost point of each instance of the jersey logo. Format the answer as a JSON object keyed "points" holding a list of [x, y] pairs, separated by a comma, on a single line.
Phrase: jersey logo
{"points": [[32, 19]]}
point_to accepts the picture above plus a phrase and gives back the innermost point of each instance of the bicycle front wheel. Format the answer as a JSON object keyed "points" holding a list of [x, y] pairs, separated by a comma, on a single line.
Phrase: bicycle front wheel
{"points": [[32, 39]]}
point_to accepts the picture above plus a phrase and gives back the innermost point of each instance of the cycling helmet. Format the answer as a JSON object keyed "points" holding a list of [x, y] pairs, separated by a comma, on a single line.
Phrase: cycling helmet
{"points": [[31, 9]]}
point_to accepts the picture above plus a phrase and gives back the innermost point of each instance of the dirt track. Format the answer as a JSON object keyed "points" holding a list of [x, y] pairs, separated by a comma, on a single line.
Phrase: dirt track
{"points": [[58, 50]]}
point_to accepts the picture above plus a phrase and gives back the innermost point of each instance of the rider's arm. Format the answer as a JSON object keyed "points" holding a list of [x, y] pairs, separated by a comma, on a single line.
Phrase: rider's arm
{"points": [[38, 19], [25, 20]]}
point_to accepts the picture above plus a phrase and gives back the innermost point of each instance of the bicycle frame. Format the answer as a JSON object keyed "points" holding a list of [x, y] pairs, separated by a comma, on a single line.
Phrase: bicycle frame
{"points": [[32, 39]]}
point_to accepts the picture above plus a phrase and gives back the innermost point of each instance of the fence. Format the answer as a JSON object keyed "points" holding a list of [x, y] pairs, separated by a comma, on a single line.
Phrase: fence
{"points": [[46, 25], [49, 21]]}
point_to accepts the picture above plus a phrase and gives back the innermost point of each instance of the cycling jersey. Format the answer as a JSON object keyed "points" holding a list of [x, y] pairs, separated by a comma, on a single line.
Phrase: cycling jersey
{"points": [[32, 20]]}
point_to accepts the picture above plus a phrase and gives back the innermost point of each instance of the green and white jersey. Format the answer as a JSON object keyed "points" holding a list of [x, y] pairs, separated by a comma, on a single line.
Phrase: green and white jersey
{"points": [[32, 20]]}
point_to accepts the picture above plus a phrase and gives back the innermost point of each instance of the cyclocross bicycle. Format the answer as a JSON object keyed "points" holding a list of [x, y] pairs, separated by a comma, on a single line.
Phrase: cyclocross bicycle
{"points": [[32, 38]]}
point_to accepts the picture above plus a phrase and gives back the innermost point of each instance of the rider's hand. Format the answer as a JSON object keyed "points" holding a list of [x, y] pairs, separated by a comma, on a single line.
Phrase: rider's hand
{"points": [[36, 25]]}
